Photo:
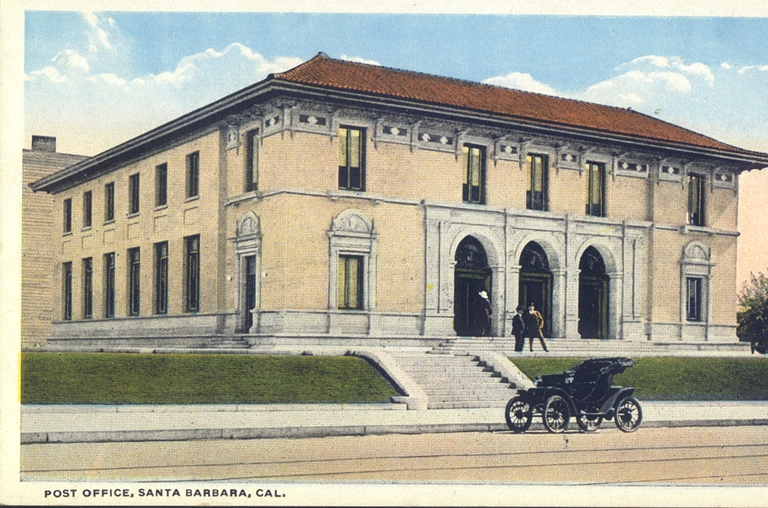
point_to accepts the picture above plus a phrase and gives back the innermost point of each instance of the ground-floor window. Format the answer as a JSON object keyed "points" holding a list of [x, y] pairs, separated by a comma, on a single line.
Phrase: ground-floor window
{"points": [[192, 269], [87, 287], [161, 278], [134, 282], [350, 282], [66, 269], [109, 284], [693, 292]]}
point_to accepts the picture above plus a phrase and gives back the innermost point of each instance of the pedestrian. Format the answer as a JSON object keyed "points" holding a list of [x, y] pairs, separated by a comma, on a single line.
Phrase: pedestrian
{"points": [[483, 313], [518, 328], [534, 324]]}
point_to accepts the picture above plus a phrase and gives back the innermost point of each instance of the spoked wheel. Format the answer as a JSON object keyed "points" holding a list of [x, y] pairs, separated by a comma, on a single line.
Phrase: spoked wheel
{"points": [[518, 414], [556, 414], [629, 415], [589, 423]]}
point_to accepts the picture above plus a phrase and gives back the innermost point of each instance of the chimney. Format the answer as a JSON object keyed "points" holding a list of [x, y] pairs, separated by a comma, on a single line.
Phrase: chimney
{"points": [[44, 143]]}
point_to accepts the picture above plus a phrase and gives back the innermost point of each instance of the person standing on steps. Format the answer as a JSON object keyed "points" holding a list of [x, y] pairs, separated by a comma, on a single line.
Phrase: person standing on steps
{"points": [[534, 324], [518, 328], [483, 311]]}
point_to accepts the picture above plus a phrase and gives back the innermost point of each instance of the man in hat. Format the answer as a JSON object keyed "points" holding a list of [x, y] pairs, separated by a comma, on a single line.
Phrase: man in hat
{"points": [[534, 324], [483, 313]]}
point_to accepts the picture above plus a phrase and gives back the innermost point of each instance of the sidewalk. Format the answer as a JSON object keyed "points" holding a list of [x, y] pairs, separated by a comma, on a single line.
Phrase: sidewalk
{"points": [[81, 423]]}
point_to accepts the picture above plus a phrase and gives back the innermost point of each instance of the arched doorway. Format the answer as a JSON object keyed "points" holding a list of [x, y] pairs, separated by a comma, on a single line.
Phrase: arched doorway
{"points": [[471, 276], [593, 296], [536, 283]]}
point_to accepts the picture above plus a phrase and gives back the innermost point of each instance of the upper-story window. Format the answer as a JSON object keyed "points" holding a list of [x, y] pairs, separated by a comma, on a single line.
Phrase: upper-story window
{"points": [[536, 196], [87, 208], [68, 215], [474, 179], [161, 185], [351, 158], [109, 202], [133, 193], [193, 174], [696, 199], [252, 161], [595, 189]]}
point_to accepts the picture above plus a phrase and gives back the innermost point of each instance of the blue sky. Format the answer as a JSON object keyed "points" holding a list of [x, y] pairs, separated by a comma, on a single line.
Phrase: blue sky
{"points": [[95, 79]]}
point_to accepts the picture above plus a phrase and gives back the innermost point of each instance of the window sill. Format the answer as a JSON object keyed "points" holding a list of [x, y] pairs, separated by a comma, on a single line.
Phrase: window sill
{"points": [[160, 208], [109, 222], [192, 198]]}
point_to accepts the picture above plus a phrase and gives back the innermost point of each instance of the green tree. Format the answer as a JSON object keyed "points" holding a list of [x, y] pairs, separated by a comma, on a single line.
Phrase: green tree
{"points": [[753, 314]]}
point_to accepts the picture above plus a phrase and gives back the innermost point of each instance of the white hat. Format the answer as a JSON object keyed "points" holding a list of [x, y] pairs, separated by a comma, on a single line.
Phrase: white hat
{"points": [[483, 294]]}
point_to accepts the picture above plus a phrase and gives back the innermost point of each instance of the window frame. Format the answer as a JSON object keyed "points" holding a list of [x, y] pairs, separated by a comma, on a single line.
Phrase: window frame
{"points": [[66, 289], [693, 299], [161, 185], [343, 285], [192, 184], [252, 140], [134, 194], [109, 202], [87, 265], [192, 273], [134, 281], [696, 200], [346, 170], [161, 278], [474, 170], [87, 209], [593, 208], [109, 285], [67, 215], [537, 200]]}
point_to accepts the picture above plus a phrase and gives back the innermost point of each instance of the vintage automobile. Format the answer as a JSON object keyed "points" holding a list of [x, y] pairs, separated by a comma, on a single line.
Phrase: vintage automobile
{"points": [[584, 391]]}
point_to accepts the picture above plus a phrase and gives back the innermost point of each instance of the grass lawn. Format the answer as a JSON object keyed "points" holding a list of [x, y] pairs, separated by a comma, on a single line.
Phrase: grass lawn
{"points": [[108, 378], [677, 378]]}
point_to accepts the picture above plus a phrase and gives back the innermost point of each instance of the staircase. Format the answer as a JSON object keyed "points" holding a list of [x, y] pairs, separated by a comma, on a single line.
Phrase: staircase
{"points": [[224, 342], [455, 381]]}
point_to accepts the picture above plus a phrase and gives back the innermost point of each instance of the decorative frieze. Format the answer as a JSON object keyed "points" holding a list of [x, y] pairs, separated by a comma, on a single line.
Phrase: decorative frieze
{"points": [[633, 168], [569, 159], [724, 179]]}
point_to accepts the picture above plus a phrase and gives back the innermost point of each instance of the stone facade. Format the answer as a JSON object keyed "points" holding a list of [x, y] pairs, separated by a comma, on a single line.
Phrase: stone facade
{"points": [[283, 250]]}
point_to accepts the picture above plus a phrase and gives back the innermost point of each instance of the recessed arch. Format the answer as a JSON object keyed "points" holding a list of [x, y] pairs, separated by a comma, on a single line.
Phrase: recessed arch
{"points": [[536, 282], [594, 294], [472, 275]]}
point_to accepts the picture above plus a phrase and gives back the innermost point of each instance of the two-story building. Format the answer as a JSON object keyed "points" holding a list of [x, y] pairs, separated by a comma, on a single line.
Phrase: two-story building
{"points": [[339, 199]]}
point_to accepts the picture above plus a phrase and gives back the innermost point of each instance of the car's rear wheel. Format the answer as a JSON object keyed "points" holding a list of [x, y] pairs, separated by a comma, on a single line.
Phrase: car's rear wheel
{"points": [[518, 415], [589, 423], [556, 414]]}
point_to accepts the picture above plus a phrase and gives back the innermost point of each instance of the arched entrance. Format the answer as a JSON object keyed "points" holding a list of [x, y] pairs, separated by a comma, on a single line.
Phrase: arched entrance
{"points": [[536, 283], [593, 296], [471, 276]]}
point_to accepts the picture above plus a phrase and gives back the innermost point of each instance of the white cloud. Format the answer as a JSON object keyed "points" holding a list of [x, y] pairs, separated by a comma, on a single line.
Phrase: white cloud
{"points": [[95, 21], [725, 65], [72, 60], [695, 69], [359, 60], [521, 81]]}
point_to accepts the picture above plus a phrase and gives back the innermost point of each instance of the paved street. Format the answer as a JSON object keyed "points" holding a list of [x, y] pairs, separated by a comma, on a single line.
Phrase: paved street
{"points": [[702, 455]]}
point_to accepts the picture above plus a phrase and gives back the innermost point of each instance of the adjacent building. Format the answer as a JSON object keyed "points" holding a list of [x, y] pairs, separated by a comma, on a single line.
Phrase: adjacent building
{"points": [[339, 199]]}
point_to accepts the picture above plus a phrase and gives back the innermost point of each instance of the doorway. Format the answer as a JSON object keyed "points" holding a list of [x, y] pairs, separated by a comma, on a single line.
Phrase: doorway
{"points": [[536, 283], [471, 275], [593, 296]]}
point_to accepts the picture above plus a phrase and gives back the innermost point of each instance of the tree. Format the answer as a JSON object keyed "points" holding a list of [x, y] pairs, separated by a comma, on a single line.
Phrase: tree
{"points": [[753, 314]]}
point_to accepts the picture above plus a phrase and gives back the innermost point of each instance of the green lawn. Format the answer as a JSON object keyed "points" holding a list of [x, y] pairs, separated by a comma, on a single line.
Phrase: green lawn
{"points": [[677, 378], [108, 378]]}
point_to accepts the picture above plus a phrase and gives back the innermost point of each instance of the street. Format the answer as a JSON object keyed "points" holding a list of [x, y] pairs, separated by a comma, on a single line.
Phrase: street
{"points": [[701, 455]]}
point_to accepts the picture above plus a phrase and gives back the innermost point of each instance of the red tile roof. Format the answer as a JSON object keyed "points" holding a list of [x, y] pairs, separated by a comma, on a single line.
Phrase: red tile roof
{"points": [[344, 75]]}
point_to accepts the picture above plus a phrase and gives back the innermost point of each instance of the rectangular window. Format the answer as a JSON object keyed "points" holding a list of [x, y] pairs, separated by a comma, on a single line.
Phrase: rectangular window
{"points": [[161, 278], [109, 284], [693, 307], [474, 180], [133, 193], [192, 286], [68, 215], [351, 159], [696, 184], [87, 208], [193, 174], [66, 286], [109, 202], [350, 283], [536, 196], [595, 189], [88, 288], [134, 282], [161, 185], [252, 161]]}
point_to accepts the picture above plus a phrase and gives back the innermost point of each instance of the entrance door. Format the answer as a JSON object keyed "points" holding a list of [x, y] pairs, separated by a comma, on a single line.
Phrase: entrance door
{"points": [[471, 276], [593, 296], [536, 283], [250, 290]]}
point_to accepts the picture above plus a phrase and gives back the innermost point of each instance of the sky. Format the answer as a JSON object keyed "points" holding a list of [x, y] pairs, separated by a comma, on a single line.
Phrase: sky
{"points": [[95, 79]]}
